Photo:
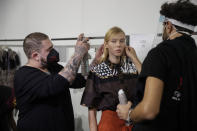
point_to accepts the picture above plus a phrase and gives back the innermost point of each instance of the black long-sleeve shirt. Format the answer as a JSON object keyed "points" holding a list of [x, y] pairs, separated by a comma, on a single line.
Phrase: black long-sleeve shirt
{"points": [[44, 100]]}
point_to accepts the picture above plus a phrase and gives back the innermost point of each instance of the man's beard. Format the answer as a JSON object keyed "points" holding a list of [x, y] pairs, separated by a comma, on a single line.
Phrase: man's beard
{"points": [[43, 63]]}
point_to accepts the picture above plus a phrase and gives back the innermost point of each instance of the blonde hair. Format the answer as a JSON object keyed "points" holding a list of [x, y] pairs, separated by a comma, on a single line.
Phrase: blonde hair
{"points": [[111, 32]]}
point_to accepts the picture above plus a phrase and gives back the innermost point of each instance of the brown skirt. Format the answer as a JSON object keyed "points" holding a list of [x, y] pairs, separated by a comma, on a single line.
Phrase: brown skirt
{"points": [[110, 122]]}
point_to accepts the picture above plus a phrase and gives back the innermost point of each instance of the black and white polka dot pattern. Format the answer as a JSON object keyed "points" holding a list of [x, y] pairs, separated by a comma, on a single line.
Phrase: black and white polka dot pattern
{"points": [[104, 71]]}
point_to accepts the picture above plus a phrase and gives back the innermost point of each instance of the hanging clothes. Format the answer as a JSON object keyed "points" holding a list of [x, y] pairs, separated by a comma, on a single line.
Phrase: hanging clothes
{"points": [[9, 62]]}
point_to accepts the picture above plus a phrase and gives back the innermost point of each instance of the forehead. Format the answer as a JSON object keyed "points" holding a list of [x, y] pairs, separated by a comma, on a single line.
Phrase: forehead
{"points": [[46, 44], [118, 36]]}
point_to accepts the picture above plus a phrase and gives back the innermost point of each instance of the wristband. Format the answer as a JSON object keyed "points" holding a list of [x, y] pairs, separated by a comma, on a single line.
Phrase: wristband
{"points": [[129, 121]]}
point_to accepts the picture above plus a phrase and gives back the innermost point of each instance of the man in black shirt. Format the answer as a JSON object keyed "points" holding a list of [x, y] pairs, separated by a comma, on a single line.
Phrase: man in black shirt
{"points": [[169, 76], [43, 98]]}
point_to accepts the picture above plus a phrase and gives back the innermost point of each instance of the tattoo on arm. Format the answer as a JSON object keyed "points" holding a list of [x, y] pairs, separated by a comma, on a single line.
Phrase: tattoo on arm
{"points": [[70, 70]]}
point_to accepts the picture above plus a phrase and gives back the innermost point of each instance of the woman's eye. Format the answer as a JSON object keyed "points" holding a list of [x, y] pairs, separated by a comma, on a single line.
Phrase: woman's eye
{"points": [[113, 41], [122, 41]]}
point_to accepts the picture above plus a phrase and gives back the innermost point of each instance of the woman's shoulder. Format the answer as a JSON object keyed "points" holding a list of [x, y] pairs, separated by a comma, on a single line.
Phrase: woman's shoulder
{"points": [[129, 68], [101, 70]]}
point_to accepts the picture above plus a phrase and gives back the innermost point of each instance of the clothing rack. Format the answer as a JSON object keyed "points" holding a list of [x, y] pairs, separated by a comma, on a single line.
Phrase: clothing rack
{"points": [[57, 39]]}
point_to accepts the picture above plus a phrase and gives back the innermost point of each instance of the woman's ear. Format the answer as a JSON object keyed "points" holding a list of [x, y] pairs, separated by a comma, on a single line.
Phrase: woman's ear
{"points": [[105, 45]]}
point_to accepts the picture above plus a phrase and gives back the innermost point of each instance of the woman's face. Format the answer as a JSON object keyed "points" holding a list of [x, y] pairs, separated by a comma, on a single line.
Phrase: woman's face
{"points": [[116, 45]]}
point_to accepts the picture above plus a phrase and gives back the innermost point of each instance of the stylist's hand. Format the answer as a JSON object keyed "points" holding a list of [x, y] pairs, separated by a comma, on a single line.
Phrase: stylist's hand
{"points": [[82, 45], [130, 52], [123, 110], [99, 52], [98, 55]]}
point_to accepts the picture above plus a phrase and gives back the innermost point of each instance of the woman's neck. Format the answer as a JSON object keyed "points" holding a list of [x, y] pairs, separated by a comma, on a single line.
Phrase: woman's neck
{"points": [[114, 59]]}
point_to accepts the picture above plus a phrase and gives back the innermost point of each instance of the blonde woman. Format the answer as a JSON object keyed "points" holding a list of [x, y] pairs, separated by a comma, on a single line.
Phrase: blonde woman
{"points": [[105, 80]]}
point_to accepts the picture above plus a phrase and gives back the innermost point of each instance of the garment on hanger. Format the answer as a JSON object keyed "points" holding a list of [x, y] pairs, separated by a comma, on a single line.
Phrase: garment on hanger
{"points": [[9, 62]]}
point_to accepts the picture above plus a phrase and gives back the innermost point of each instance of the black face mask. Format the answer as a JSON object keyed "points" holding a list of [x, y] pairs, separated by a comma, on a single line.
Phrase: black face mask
{"points": [[53, 57], [52, 62]]}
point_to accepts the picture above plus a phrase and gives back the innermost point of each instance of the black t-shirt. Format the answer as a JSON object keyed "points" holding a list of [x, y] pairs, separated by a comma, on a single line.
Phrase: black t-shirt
{"points": [[43, 101], [162, 62]]}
